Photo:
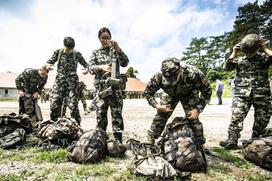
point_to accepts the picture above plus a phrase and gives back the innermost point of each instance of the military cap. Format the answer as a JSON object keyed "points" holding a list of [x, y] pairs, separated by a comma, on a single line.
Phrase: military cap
{"points": [[250, 43], [170, 66]]}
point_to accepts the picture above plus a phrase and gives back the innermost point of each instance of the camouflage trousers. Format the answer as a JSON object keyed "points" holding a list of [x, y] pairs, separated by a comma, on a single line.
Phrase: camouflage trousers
{"points": [[115, 102], [240, 108], [26, 105], [64, 90], [188, 103]]}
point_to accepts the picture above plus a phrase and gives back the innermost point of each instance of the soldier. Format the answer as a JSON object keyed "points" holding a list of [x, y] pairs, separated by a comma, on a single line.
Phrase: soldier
{"points": [[100, 66], [251, 87], [43, 96], [66, 82], [30, 84], [180, 83]]}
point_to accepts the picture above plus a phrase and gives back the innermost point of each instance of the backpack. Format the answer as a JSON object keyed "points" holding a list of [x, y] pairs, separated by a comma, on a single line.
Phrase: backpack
{"points": [[148, 161], [61, 133], [10, 122], [179, 146], [259, 150], [13, 139], [90, 148], [115, 149]]}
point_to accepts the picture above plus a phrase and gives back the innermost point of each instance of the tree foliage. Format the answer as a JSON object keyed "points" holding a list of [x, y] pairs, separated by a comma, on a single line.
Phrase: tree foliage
{"points": [[131, 72]]}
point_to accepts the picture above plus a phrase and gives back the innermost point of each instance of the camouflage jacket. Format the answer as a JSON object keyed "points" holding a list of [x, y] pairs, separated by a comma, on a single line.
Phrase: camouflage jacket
{"points": [[67, 63], [251, 75], [30, 81], [104, 56], [192, 80]]}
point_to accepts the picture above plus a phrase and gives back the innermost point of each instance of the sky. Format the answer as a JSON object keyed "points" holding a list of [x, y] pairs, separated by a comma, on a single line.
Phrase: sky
{"points": [[148, 31]]}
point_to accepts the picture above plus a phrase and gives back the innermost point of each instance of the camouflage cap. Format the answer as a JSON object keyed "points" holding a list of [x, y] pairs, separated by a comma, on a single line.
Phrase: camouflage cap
{"points": [[170, 66], [250, 43]]}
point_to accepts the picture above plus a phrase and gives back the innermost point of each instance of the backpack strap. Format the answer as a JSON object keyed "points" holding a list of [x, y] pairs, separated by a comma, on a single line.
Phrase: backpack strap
{"points": [[60, 53]]}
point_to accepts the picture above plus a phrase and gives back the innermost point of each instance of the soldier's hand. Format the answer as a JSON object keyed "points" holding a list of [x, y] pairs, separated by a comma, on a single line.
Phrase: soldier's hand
{"points": [[105, 68], [262, 44], [236, 48], [35, 95], [115, 45], [21, 93], [193, 114], [164, 108]]}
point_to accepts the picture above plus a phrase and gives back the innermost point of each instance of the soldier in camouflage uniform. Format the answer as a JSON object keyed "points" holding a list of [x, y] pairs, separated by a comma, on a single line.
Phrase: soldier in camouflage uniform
{"points": [[66, 83], [43, 96], [30, 84], [100, 66], [251, 88], [180, 83]]}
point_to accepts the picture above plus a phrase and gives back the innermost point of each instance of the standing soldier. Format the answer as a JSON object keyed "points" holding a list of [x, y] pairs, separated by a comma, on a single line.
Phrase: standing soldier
{"points": [[180, 83], [66, 82], [43, 96], [251, 88], [100, 66], [30, 84]]}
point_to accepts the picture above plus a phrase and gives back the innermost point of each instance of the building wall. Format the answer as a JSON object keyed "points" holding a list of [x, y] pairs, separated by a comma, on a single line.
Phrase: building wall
{"points": [[8, 93]]}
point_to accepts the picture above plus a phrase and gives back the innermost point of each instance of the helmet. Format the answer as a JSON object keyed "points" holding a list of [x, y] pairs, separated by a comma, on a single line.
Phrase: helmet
{"points": [[115, 149], [250, 43], [170, 68]]}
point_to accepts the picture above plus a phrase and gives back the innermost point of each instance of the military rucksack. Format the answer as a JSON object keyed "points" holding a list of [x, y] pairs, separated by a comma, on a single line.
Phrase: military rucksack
{"points": [[259, 150], [179, 146], [61, 133], [10, 122], [11, 140], [90, 148], [148, 160], [115, 149]]}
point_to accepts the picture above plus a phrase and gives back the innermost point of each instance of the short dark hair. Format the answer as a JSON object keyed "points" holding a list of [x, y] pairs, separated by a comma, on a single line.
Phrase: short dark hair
{"points": [[102, 30], [69, 42]]}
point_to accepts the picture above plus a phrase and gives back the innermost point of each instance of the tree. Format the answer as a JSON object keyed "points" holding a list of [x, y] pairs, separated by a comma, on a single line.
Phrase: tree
{"points": [[131, 72]]}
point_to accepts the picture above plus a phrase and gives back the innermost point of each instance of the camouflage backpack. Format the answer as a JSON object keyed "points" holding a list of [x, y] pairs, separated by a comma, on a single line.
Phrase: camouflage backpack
{"points": [[90, 148], [148, 160], [16, 138], [60, 133], [10, 122], [180, 148], [259, 150]]}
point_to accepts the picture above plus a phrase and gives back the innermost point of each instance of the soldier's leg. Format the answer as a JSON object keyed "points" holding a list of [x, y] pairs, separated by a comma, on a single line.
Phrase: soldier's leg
{"points": [[160, 119], [116, 106], [262, 114], [189, 103], [64, 106], [83, 100], [240, 108], [55, 106], [21, 106], [73, 106], [101, 115]]}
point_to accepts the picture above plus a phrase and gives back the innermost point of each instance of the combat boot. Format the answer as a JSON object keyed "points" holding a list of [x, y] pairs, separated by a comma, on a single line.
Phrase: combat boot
{"points": [[118, 137], [150, 138], [231, 142]]}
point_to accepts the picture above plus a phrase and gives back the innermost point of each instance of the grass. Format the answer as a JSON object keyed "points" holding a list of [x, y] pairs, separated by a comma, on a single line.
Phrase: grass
{"points": [[7, 100], [232, 157]]}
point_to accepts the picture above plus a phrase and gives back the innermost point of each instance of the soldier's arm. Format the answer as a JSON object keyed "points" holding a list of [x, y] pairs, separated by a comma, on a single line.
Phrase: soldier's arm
{"points": [[20, 79], [152, 87], [82, 60], [54, 58], [202, 83], [123, 59], [93, 67]]}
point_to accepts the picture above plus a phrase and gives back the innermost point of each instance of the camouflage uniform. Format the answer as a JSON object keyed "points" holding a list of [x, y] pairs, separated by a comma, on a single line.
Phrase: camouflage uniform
{"points": [[66, 83], [43, 96], [81, 88], [186, 90], [251, 88], [30, 82], [104, 56]]}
